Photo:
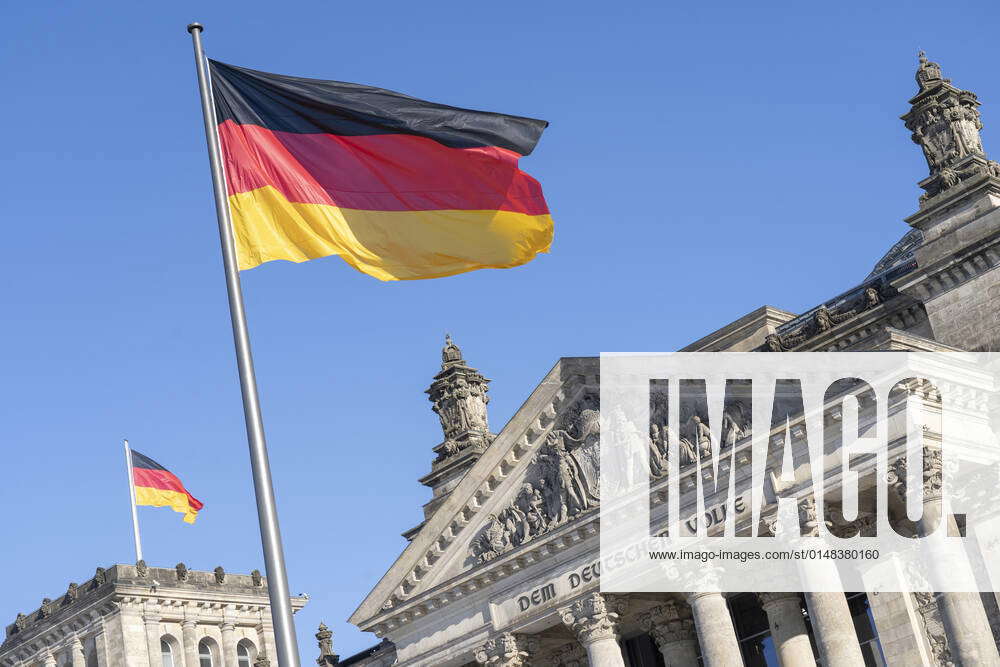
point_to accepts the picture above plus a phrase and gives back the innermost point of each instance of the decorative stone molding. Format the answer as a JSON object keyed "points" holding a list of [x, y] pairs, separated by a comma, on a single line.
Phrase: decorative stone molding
{"points": [[594, 617], [937, 638], [933, 475], [669, 622], [507, 650]]}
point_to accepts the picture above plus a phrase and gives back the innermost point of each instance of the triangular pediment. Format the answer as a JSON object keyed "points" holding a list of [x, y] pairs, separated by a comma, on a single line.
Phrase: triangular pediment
{"points": [[538, 476]]}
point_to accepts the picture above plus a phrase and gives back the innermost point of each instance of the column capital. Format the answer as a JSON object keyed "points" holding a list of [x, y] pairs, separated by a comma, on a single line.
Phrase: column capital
{"points": [[594, 617], [189, 624], [933, 474], [507, 650], [669, 622], [227, 626], [768, 599]]}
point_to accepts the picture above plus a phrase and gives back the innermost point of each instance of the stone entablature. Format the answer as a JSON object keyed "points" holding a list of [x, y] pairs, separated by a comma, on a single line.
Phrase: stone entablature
{"points": [[121, 615]]}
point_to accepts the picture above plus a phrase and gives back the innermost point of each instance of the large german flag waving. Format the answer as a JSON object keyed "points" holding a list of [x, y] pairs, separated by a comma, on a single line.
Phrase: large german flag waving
{"points": [[400, 188], [157, 486]]}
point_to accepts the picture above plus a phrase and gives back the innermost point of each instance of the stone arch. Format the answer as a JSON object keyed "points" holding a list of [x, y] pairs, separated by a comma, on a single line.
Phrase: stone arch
{"points": [[209, 654], [246, 653], [176, 655]]}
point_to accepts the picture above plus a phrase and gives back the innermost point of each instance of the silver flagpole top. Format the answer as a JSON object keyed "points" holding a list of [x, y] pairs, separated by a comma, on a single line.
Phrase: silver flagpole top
{"points": [[195, 26]]}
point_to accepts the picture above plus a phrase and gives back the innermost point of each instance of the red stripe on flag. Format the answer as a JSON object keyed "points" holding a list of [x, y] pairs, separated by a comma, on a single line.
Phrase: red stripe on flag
{"points": [[384, 172], [163, 479]]}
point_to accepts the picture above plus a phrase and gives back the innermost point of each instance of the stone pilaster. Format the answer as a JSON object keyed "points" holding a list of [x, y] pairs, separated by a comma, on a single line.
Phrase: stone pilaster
{"points": [[507, 650], [594, 620], [788, 629], [76, 654], [967, 629], [228, 642], [716, 634], [189, 634], [672, 628], [151, 623], [48, 659]]}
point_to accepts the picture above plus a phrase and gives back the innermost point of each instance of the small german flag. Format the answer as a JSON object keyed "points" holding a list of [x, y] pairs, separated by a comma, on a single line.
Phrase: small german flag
{"points": [[158, 487], [399, 188]]}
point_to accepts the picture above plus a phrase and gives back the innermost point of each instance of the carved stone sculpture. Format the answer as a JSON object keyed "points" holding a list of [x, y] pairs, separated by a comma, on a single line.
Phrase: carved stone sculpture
{"points": [[220, 575], [21, 622], [72, 592], [933, 474], [141, 569], [561, 483], [324, 638], [594, 617], [45, 610], [507, 650], [459, 397], [944, 122], [669, 622], [182, 571], [256, 579]]}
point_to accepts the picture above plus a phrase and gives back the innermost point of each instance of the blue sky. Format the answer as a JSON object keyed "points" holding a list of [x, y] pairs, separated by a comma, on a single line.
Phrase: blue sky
{"points": [[703, 159]]}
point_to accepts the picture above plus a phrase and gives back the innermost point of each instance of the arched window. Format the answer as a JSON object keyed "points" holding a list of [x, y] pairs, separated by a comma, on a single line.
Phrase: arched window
{"points": [[166, 653], [244, 653], [205, 654]]}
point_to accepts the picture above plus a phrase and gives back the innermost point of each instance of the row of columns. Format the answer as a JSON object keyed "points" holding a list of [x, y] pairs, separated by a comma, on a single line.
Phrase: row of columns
{"points": [[77, 656], [189, 637], [679, 629]]}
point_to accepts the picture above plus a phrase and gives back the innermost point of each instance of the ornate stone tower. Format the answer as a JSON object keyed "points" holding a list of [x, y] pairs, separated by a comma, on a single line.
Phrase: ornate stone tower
{"points": [[957, 278], [945, 124], [459, 397]]}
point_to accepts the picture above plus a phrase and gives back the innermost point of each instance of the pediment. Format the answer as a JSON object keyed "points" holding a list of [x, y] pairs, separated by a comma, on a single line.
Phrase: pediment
{"points": [[538, 476]]}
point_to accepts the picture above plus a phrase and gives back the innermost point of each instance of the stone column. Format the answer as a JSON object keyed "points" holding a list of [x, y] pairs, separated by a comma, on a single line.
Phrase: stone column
{"points": [[594, 619], [672, 628], [229, 644], [152, 625], [788, 629], [507, 650], [716, 634], [966, 626], [76, 654], [189, 632], [101, 646], [834, 629]]}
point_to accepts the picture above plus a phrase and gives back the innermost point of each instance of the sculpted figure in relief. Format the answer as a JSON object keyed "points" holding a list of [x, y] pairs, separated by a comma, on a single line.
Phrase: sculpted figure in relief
{"points": [[657, 452]]}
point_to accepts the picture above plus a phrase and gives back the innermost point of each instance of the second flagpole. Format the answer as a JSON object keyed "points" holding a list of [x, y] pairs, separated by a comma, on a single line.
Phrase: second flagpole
{"points": [[267, 514]]}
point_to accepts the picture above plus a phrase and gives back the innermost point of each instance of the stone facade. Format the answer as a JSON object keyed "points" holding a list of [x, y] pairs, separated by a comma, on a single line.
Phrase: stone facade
{"points": [[504, 569], [132, 615]]}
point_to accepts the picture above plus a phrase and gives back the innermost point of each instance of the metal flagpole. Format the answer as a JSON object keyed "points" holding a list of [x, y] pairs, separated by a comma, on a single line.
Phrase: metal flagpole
{"points": [[131, 493], [274, 559]]}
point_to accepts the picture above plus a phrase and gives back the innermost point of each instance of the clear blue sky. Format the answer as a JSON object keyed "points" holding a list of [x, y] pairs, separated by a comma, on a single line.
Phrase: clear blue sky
{"points": [[703, 159]]}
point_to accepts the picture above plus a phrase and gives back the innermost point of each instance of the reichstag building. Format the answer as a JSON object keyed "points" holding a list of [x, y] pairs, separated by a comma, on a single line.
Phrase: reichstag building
{"points": [[505, 568]]}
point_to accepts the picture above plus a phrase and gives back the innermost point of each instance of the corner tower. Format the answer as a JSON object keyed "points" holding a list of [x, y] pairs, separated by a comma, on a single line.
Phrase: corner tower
{"points": [[957, 277], [459, 396]]}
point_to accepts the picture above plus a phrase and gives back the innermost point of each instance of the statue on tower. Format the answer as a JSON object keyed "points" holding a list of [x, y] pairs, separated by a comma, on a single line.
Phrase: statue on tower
{"points": [[459, 397], [944, 122]]}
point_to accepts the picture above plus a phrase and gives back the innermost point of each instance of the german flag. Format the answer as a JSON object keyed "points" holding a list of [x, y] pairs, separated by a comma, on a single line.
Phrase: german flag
{"points": [[158, 487], [400, 188]]}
